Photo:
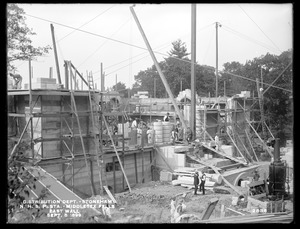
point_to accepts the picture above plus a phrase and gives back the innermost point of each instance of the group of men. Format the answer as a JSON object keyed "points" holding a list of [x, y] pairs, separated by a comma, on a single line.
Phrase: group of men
{"points": [[198, 178]]}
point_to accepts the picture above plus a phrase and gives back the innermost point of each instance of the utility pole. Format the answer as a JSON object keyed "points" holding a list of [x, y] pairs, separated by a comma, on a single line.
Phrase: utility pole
{"points": [[193, 78], [217, 72], [55, 54], [116, 82], [102, 77], [154, 87]]}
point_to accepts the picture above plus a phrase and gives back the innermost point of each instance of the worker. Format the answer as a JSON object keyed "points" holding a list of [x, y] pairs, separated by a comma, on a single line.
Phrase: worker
{"points": [[212, 144], [180, 133], [217, 142], [134, 124], [167, 117], [174, 135], [256, 175], [202, 184], [196, 182], [189, 134]]}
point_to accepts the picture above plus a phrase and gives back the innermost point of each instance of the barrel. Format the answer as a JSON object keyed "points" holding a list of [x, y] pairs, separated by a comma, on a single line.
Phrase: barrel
{"points": [[158, 131], [167, 129], [133, 136]]}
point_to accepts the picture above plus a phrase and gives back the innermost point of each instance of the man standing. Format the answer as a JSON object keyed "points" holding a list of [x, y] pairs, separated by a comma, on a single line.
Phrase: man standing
{"points": [[167, 117], [203, 177], [196, 182]]}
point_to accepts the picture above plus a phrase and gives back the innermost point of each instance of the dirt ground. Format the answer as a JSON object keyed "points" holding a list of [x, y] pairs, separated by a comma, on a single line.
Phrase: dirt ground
{"points": [[150, 203]]}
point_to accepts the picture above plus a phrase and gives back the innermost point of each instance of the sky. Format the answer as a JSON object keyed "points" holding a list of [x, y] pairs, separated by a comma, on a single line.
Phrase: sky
{"points": [[91, 34]]}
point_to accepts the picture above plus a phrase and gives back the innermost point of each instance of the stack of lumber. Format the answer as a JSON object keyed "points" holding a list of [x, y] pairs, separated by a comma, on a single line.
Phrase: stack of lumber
{"points": [[282, 217], [186, 177]]}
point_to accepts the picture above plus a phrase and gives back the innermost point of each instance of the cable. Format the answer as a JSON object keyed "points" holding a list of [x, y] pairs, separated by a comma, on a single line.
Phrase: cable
{"points": [[270, 85], [228, 29], [187, 61], [98, 35], [86, 23], [103, 44], [125, 65], [259, 28], [208, 47]]}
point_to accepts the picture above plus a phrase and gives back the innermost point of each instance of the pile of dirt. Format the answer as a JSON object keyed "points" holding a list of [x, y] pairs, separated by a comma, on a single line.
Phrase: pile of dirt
{"points": [[150, 203]]}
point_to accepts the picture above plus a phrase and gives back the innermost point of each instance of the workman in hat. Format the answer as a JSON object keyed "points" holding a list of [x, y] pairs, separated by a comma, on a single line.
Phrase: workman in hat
{"points": [[196, 182]]}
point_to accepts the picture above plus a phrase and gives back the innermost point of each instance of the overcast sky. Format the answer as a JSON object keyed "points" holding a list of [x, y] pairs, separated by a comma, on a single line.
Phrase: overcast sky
{"points": [[107, 30]]}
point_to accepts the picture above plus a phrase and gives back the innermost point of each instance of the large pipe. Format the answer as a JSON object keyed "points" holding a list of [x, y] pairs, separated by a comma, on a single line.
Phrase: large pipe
{"points": [[165, 82], [277, 150]]}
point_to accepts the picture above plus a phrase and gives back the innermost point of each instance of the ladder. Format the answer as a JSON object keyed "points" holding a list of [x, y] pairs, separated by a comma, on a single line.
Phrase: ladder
{"points": [[95, 120]]}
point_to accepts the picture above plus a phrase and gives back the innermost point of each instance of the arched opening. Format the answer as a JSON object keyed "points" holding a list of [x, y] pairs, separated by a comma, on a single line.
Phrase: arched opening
{"points": [[240, 182]]}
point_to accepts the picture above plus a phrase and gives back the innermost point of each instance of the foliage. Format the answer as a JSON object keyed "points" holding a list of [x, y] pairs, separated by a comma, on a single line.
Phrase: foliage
{"points": [[177, 71], [179, 50], [277, 104], [19, 182], [19, 43]]}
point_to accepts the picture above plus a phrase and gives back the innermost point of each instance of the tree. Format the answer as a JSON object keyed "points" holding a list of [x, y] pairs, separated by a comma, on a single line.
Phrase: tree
{"points": [[119, 87], [19, 182], [277, 104], [19, 44], [179, 50]]}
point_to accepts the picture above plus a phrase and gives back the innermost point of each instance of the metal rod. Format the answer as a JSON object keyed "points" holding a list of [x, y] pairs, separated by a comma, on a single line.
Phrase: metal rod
{"points": [[165, 82]]}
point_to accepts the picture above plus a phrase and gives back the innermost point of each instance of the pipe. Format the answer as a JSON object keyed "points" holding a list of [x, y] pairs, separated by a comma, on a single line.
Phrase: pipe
{"points": [[277, 150]]}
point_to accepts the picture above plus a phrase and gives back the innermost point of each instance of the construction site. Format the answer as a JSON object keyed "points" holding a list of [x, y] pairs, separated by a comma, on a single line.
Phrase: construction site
{"points": [[81, 144]]}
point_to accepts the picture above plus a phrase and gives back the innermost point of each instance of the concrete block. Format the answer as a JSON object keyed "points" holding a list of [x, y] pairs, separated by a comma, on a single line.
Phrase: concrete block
{"points": [[244, 183], [46, 80]]}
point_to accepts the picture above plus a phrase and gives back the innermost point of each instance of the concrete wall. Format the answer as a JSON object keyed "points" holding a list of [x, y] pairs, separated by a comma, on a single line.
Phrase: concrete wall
{"points": [[174, 157], [82, 185]]}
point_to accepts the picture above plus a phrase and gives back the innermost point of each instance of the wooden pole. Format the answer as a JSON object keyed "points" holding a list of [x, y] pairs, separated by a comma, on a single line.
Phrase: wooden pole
{"points": [[50, 73], [246, 150], [217, 24], [20, 139], [165, 82], [102, 77], [106, 125], [251, 145], [268, 150], [193, 77], [55, 54], [66, 75], [236, 145], [30, 110]]}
